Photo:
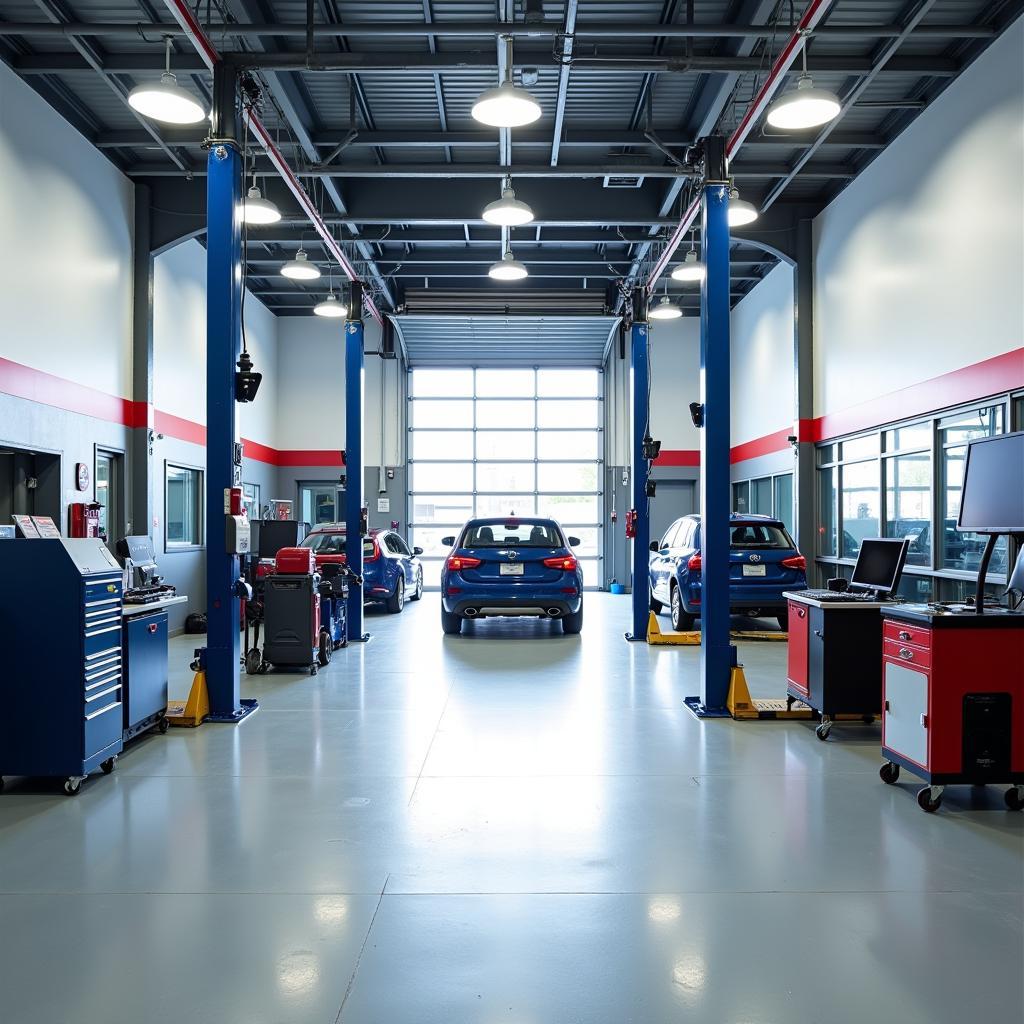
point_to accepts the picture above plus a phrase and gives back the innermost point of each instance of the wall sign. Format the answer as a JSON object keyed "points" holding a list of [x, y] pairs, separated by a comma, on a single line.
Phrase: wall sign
{"points": [[81, 476]]}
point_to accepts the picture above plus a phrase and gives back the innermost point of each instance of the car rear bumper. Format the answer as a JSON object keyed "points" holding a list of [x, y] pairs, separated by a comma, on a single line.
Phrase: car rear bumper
{"points": [[767, 597], [482, 607]]}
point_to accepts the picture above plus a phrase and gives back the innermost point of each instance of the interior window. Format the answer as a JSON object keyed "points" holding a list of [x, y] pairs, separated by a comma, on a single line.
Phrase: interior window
{"points": [[498, 533], [759, 535]]}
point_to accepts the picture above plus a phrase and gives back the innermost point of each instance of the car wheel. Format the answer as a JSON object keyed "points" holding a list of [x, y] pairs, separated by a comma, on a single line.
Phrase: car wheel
{"points": [[451, 624], [572, 624], [656, 606], [681, 619], [396, 602], [418, 591]]}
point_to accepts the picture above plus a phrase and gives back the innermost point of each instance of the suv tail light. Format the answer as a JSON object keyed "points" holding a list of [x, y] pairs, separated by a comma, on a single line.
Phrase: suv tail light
{"points": [[374, 556], [694, 563], [567, 563], [796, 562], [456, 563]]}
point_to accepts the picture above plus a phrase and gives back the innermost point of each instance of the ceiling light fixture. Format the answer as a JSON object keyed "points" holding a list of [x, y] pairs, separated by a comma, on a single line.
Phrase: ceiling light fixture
{"points": [[166, 101], [692, 268], [256, 209], [507, 211], [507, 106], [805, 106], [300, 269], [740, 211], [331, 307], [666, 309], [508, 268]]}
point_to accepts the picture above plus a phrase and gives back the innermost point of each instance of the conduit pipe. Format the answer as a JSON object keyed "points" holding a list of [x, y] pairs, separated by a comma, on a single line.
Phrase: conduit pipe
{"points": [[210, 56], [815, 11]]}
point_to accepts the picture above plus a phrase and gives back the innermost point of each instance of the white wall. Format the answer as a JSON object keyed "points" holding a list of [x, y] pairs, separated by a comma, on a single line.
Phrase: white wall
{"points": [[763, 379], [675, 381], [919, 262], [179, 345], [67, 217]]}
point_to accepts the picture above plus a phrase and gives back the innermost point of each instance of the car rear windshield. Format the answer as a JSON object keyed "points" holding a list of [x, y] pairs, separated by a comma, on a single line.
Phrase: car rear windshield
{"points": [[758, 535], [333, 544], [502, 533]]}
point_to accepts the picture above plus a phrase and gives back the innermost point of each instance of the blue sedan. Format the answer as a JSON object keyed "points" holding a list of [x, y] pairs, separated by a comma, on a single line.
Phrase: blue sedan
{"points": [[392, 573], [511, 566], [763, 563]]}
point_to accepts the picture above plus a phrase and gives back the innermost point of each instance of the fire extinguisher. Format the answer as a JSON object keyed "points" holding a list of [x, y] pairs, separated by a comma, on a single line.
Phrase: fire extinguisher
{"points": [[631, 524]]}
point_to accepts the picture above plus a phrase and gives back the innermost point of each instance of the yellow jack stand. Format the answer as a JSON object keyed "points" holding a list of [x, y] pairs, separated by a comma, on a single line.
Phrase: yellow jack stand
{"points": [[692, 637], [742, 705], [194, 711]]}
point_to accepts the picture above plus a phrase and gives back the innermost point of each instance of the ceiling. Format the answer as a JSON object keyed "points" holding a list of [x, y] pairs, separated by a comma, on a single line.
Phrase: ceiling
{"points": [[383, 139]]}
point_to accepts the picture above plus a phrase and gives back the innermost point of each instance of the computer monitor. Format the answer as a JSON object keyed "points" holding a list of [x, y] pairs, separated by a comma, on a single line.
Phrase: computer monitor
{"points": [[139, 549], [992, 500], [880, 564], [275, 534]]}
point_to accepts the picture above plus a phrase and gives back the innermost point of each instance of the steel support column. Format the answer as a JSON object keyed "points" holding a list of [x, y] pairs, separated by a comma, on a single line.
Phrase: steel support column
{"points": [[717, 655], [223, 347], [140, 474], [354, 389], [804, 511], [639, 337]]}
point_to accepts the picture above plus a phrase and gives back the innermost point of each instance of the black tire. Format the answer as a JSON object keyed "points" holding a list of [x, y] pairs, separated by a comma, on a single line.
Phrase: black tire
{"points": [[326, 649], [109, 765], [783, 621], [572, 624], [889, 773], [656, 606], [417, 592], [163, 725], [450, 624], [1011, 798], [925, 802], [396, 602], [253, 661], [682, 621]]}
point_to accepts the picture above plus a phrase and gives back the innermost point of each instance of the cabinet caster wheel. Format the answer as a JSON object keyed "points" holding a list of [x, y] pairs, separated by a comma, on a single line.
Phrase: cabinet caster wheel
{"points": [[867, 719], [889, 773], [72, 787], [253, 662], [823, 730], [163, 725], [1014, 798], [312, 670], [1, 783], [925, 801], [109, 765]]}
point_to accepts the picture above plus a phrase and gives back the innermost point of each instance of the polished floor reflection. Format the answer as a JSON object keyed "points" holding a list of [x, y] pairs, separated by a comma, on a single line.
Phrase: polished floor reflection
{"points": [[511, 825]]}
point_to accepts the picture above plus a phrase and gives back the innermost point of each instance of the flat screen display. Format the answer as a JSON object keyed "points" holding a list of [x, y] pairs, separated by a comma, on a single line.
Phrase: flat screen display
{"points": [[139, 549], [879, 564], [275, 534], [993, 496]]}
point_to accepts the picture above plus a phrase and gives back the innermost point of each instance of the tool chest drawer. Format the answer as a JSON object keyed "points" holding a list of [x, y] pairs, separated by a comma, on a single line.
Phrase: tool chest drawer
{"points": [[908, 654], [904, 633], [101, 639], [102, 728], [101, 589]]}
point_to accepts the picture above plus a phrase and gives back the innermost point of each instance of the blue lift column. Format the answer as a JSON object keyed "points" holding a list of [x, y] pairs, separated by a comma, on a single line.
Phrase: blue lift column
{"points": [[354, 460], [717, 654], [639, 335], [223, 348]]}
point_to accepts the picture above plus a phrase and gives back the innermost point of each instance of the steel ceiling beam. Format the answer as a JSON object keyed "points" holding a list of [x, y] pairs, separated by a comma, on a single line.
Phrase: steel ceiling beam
{"points": [[568, 41], [442, 113], [474, 62], [913, 17], [483, 30]]}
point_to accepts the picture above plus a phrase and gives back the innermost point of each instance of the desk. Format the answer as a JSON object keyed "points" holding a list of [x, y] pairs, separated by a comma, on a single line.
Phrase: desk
{"points": [[953, 707], [834, 662], [144, 657]]}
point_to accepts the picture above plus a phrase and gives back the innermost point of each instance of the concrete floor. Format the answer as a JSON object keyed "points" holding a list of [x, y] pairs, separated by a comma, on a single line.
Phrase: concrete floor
{"points": [[515, 826]]}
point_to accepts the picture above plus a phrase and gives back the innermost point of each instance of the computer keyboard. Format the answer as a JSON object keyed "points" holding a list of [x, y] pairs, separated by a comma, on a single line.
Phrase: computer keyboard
{"points": [[147, 595], [838, 595]]}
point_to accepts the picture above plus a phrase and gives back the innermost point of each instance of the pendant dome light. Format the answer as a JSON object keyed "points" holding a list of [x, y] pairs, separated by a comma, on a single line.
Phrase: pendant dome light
{"points": [[508, 268], [740, 211], [692, 268], [256, 209], [507, 106], [805, 106], [666, 309], [507, 211], [166, 101], [331, 307], [300, 269]]}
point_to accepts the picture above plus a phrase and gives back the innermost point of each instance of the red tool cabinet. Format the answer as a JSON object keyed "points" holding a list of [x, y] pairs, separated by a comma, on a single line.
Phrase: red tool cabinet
{"points": [[953, 699]]}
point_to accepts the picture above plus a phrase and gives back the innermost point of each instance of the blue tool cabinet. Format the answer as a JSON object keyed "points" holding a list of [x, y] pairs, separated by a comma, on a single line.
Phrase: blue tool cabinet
{"points": [[144, 660], [60, 691]]}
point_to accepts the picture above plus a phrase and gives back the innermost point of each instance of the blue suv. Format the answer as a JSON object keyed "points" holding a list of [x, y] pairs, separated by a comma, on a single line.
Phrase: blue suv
{"points": [[514, 566], [763, 563]]}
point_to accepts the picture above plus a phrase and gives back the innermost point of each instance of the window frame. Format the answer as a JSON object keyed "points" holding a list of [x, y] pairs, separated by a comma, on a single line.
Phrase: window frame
{"points": [[174, 547]]}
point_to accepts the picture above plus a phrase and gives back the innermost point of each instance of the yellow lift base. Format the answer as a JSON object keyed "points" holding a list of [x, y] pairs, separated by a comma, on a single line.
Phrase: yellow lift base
{"points": [[742, 705], [194, 711], [692, 637]]}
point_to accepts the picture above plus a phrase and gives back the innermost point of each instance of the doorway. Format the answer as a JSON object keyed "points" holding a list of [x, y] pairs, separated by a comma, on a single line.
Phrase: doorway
{"points": [[29, 484], [109, 495]]}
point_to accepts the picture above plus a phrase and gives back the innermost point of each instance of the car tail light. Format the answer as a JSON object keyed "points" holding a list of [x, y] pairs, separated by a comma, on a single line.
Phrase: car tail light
{"points": [[456, 563], [374, 556], [567, 563], [694, 564], [796, 562]]}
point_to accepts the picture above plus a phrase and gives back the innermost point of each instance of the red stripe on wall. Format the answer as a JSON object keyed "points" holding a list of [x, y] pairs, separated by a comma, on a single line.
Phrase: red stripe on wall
{"points": [[176, 426], [767, 445], [47, 389], [309, 458], [678, 457]]}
